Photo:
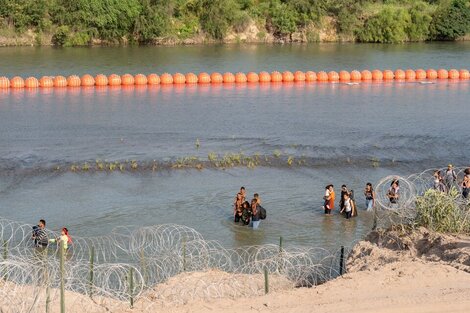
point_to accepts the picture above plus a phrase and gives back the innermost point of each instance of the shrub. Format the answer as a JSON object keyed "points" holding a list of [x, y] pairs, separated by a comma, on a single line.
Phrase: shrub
{"points": [[241, 21], [441, 212], [61, 35], [388, 26]]}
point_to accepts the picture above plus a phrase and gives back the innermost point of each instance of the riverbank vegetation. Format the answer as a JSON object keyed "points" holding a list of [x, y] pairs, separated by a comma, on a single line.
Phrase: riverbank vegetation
{"points": [[86, 22]]}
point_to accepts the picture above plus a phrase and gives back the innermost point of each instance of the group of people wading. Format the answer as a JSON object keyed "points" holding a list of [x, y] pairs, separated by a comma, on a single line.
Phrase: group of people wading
{"points": [[446, 179], [347, 204], [245, 211]]}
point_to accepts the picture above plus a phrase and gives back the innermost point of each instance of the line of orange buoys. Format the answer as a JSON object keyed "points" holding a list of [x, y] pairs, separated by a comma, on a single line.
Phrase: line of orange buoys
{"points": [[230, 78]]}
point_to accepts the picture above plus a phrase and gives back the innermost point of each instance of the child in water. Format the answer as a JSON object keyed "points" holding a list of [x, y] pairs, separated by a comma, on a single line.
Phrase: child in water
{"points": [[326, 198], [64, 240]]}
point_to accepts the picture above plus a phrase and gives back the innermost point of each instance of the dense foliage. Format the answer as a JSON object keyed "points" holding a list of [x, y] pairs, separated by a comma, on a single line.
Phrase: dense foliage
{"points": [[79, 22], [442, 212]]}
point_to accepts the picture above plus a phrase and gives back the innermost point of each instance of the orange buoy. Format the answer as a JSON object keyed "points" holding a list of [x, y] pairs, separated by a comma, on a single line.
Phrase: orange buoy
{"points": [[179, 78], [322, 76], [216, 78], [240, 78], [191, 78], [101, 80], [87, 80], [355, 75], [310, 76], [127, 80], [228, 78], [299, 76], [17, 82], [204, 78], [377, 75], [73, 81], [166, 79], [344, 76], [153, 79], [366, 75], [388, 75], [276, 77], [287, 76], [420, 74], [464, 74], [400, 74], [4, 82], [454, 74], [410, 74], [252, 77], [114, 80], [31, 82], [431, 74], [442, 74], [46, 82], [263, 77], [140, 79], [333, 76], [60, 81]]}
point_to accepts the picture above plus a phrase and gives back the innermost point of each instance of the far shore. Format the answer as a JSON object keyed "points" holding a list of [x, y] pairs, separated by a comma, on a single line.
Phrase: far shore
{"points": [[32, 39]]}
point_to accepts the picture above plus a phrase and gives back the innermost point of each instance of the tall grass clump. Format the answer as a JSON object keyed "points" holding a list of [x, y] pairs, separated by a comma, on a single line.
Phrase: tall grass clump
{"points": [[442, 212]]}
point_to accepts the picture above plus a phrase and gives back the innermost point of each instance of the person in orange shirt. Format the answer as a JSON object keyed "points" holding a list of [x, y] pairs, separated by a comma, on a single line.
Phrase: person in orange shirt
{"points": [[330, 199]]}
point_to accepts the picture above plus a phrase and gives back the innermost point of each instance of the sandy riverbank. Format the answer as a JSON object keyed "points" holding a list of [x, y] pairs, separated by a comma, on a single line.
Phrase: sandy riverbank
{"points": [[390, 271]]}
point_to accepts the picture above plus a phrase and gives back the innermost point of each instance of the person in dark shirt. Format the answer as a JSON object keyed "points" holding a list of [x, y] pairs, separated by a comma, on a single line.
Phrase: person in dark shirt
{"points": [[255, 213], [40, 235]]}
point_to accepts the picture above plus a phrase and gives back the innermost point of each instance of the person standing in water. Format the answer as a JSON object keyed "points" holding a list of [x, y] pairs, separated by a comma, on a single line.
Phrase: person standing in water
{"points": [[450, 177], [438, 183], [466, 184], [329, 199], [348, 206], [237, 207], [258, 199], [344, 190], [39, 235], [246, 213], [394, 192], [326, 198], [370, 197], [255, 213], [64, 240], [243, 193]]}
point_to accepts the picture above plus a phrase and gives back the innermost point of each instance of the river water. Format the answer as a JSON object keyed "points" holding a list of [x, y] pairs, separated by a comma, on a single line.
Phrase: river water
{"points": [[339, 133]]}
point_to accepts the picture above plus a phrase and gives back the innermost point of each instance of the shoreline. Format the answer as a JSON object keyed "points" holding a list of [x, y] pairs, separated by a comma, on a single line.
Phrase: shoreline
{"points": [[32, 39]]}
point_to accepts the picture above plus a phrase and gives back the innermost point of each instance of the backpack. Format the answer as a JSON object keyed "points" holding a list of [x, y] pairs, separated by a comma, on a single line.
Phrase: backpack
{"points": [[262, 212]]}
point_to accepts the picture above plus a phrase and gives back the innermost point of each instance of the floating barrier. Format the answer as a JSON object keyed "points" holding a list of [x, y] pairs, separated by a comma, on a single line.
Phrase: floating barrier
{"points": [[375, 75]]}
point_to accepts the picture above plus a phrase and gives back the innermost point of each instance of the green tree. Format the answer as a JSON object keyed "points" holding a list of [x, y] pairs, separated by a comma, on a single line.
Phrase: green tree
{"points": [[419, 28], [283, 18], [108, 19], [388, 26], [23, 14], [216, 16], [451, 20], [152, 21]]}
